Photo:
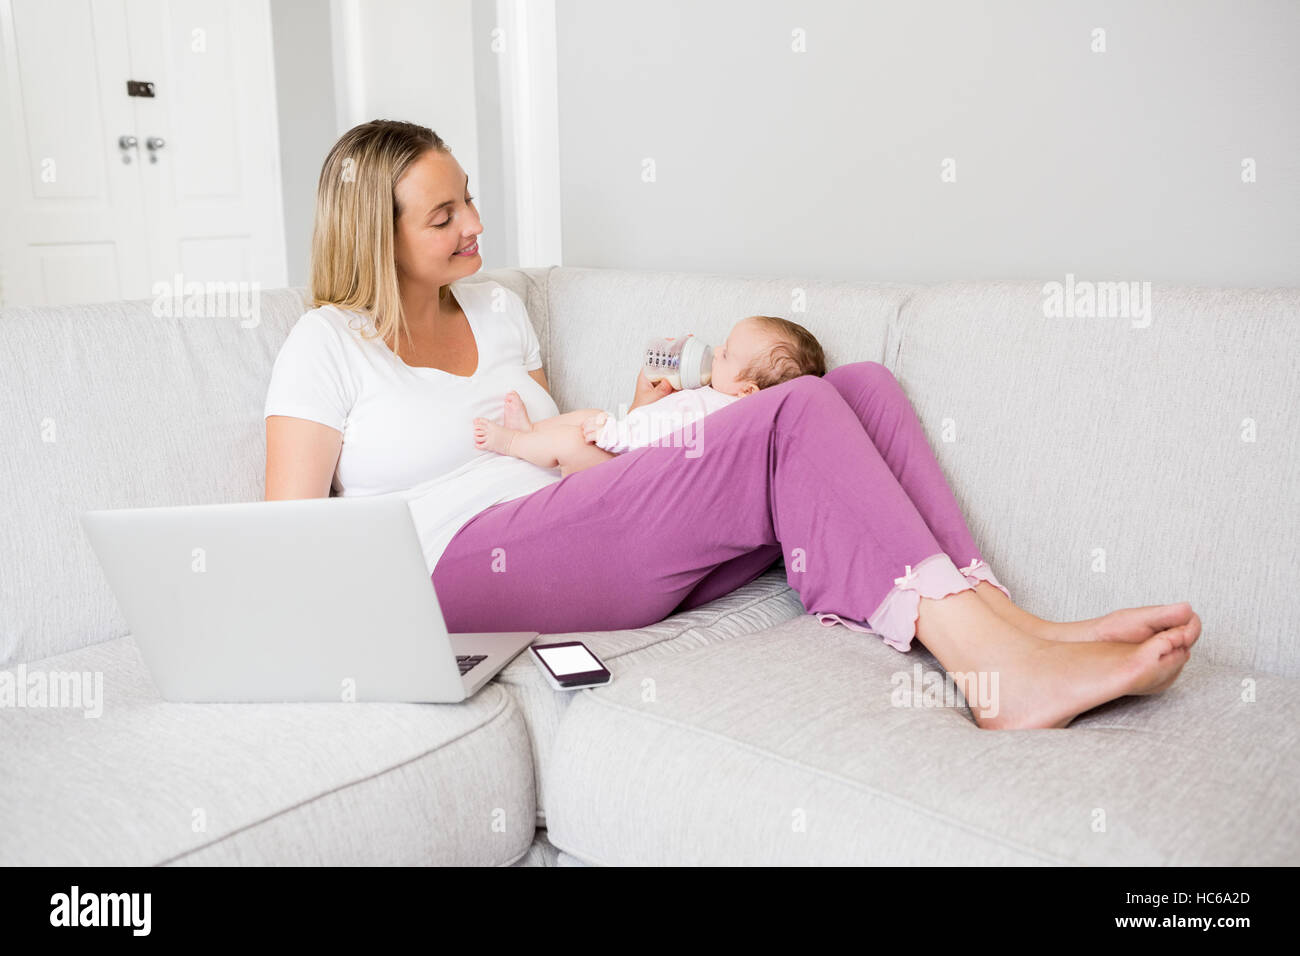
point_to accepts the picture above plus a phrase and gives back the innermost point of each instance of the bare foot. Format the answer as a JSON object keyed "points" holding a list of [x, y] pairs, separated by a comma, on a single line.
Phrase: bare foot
{"points": [[516, 416], [489, 436], [1128, 625], [1014, 679], [1049, 683], [1131, 625]]}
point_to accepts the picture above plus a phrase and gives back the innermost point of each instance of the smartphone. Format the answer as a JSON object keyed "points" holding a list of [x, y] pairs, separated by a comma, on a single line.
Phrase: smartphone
{"points": [[570, 665]]}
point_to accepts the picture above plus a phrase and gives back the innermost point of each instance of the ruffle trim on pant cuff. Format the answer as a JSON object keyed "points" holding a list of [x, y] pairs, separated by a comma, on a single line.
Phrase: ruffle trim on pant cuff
{"points": [[978, 571], [895, 619]]}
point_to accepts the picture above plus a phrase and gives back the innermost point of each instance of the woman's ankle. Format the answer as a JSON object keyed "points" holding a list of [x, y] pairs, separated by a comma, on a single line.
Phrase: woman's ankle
{"points": [[1004, 608], [965, 633]]}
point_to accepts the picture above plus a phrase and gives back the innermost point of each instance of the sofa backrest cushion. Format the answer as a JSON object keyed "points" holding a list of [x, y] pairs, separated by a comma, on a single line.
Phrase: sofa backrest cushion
{"points": [[1103, 464], [605, 316], [1100, 463], [110, 406]]}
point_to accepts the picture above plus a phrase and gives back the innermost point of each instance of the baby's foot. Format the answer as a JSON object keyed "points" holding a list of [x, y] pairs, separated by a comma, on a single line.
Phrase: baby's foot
{"points": [[489, 436], [516, 416]]}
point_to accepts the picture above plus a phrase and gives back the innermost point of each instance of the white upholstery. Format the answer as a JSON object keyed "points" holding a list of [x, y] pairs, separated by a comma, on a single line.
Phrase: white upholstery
{"points": [[763, 602], [151, 782], [786, 747], [768, 738], [1076, 436]]}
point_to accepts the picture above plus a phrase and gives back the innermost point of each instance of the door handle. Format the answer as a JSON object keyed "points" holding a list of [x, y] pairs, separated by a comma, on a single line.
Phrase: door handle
{"points": [[153, 144], [126, 144]]}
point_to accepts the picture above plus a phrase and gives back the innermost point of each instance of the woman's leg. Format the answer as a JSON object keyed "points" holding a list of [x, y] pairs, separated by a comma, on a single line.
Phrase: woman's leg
{"points": [[889, 420], [789, 467], [622, 545], [729, 575], [886, 415]]}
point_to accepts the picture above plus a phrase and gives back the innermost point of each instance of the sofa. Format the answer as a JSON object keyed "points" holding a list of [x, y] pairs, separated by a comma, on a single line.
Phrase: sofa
{"points": [[1103, 460]]}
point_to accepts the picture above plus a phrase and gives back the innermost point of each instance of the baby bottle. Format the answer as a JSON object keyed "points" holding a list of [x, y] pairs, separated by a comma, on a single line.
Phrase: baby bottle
{"points": [[685, 361]]}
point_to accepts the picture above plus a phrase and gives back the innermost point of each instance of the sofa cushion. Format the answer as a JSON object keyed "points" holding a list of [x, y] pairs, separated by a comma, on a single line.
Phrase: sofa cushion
{"points": [[786, 747], [765, 601], [608, 314], [540, 853], [110, 406], [1103, 464], [151, 782]]}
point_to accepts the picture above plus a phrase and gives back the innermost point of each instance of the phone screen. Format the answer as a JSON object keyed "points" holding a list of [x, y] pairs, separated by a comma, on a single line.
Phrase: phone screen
{"points": [[569, 660]]}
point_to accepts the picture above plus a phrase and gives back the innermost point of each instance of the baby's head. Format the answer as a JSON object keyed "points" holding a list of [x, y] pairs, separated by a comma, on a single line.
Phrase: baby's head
{"points": [[763, 351]]}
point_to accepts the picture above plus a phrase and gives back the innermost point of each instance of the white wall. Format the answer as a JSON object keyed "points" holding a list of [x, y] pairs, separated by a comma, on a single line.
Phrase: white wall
{"points": [[304, 83], [343, 62], [410, 60], [1122, 164]]}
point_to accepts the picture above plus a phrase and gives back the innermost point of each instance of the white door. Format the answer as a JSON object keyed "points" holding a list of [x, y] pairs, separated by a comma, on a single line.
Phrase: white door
{"points": [[72, 230], [199, 199], [212, 190]]}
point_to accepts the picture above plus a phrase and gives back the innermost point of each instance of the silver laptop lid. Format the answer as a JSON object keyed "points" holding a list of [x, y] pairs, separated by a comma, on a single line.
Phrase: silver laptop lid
{"points": [[317, 599]]}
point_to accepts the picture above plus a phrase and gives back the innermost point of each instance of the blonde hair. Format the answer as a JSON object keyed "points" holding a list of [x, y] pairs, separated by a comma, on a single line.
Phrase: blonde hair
{"points": [[796, 352], [352, 243]]}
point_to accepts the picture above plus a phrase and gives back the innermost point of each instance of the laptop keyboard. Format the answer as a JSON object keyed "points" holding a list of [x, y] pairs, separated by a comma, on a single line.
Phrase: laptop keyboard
{"points": [[467, 661]]}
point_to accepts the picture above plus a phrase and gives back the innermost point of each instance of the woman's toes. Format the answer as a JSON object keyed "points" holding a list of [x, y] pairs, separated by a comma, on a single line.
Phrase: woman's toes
{"points": [[1157, 663], [1158, 646], [1171, 614], [1137, 624], [1168, 667], [1182, 636]]}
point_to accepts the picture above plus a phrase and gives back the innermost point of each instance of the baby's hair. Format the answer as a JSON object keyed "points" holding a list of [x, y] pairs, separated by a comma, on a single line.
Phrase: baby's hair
{"points": [[796, 353]]}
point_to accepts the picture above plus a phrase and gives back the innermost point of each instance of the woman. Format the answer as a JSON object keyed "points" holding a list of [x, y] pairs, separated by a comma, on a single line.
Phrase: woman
{"points": [[375, 390]]}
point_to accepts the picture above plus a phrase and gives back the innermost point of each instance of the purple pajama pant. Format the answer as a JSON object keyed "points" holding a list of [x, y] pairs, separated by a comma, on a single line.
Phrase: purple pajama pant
{"points": [[834, 474]]}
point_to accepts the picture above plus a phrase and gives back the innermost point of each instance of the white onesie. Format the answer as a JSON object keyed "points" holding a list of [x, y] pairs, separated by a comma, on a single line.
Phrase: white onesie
{"points": [[655, 422]]}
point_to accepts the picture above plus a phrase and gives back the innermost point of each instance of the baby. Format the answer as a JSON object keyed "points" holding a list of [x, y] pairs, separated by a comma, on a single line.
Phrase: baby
{"points": [[760, 352]]}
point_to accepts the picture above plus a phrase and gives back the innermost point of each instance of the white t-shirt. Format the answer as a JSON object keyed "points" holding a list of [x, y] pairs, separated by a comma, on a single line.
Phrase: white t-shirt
{"points": [[409, 431], [659, 419]]}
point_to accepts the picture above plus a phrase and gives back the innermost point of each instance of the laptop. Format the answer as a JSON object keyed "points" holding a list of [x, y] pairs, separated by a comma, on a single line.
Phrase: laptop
{"points": [[319, 599]]}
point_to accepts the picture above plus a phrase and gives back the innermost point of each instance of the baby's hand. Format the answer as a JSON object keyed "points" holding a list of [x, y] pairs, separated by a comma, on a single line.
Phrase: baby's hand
{"points": [[592, 426]]}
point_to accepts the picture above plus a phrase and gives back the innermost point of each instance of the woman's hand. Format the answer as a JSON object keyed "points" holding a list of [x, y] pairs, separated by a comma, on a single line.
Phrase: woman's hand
{"points": [[592, 426], [647, 393]]}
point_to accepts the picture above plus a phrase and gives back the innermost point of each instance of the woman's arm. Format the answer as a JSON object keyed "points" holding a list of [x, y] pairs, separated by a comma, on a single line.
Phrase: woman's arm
{"points": [[647, 393], [301, 456]]}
